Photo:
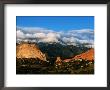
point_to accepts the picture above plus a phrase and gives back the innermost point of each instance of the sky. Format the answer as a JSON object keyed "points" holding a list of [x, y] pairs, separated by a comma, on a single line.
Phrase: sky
{"points": [[56, 23], [71, 30]]}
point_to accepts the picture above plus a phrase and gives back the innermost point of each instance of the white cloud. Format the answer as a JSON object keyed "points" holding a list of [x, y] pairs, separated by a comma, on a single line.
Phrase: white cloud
{"points": [[20, 34], [36, 34], [33, 30], [40, 35], [29, 36], [69, 40], [50, 37]]}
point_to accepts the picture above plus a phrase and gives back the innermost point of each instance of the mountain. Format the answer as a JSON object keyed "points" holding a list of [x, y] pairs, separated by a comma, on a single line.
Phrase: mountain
{"points": [[54, 50], [51, 50], [88, 55], [29, 50]]}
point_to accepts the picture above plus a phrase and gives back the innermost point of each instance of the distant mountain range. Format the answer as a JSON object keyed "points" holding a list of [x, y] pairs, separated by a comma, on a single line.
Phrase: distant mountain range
{"points": [[60, 41], [64, 51]]}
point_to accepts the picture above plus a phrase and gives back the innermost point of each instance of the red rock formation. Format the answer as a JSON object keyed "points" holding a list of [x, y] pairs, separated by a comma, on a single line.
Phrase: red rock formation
{"points": [[88, 55], [58, 61]]}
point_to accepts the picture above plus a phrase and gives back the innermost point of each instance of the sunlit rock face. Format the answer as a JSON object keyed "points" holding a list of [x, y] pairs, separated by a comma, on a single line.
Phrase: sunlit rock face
{"points": [[88, 55], [26, 50]]}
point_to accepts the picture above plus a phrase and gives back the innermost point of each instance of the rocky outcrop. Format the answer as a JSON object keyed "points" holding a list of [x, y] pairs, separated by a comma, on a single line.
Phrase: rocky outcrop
{"points": [[88, 55], [58, 61], [29, 50]]}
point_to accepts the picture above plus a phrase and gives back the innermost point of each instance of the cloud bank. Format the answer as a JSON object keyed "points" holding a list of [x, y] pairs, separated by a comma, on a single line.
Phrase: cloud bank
{"points": [[70, 37]]}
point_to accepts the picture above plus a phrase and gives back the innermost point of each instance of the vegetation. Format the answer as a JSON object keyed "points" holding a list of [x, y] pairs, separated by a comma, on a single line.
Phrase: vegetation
{"points": [[64, 51], [34, 66]]}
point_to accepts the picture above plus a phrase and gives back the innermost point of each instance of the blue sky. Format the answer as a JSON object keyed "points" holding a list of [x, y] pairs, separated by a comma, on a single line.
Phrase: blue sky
{"points": [[56, 23], [69, 29]]}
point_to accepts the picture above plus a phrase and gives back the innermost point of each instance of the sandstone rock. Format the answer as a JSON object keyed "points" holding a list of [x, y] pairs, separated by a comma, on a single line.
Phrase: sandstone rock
{"points": [[26, 50], [58, 61], [88, 55]]}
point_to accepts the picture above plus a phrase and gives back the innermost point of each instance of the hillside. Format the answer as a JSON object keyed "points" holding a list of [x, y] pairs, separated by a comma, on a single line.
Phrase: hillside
{"points": [[88, 55], [26, 50], [64, 51]]}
